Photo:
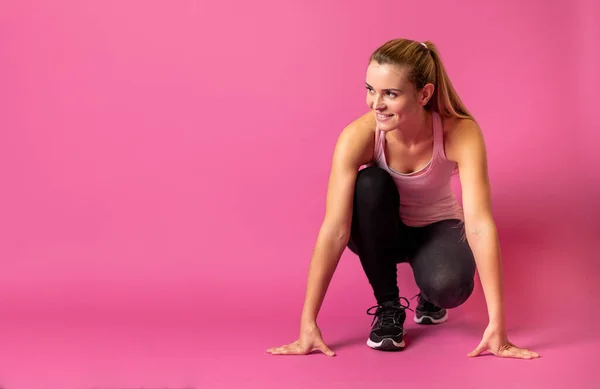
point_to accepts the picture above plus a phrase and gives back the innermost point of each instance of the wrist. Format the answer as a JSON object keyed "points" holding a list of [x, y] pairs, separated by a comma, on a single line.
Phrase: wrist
{"points": [[497, 325], [496, 318], [307, 328], [307, 318]]}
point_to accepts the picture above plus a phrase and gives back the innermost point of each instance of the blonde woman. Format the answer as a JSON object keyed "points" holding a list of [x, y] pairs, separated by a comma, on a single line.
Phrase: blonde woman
{"points": [[389, 201]]}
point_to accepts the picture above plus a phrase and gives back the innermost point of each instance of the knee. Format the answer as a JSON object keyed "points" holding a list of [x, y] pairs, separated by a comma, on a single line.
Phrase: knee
{"points": [[449, 291], [373, 186]]}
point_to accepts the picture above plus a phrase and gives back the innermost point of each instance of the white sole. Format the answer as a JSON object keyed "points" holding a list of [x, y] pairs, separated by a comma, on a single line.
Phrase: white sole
{"points": [[387, 344], [430, 320]]}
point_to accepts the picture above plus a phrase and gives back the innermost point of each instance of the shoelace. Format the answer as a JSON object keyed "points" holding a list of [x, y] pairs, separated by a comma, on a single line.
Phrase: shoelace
{"points": [[388, 315], [429, 307]]}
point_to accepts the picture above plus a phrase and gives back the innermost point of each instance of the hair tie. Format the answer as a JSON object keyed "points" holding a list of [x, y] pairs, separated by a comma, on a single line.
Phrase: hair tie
{"points": [[424, 45]]}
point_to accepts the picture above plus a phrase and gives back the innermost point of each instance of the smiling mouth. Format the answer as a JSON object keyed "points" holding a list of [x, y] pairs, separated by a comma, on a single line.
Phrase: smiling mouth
{"points": [[382, 116]]}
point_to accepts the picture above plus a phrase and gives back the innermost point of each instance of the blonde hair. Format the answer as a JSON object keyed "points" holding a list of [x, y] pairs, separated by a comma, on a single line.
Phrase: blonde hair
{"points": [[424, 65]]}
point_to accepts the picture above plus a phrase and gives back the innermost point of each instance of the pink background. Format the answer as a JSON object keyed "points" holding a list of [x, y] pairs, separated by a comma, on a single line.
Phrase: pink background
{"points": [[164, 167]]}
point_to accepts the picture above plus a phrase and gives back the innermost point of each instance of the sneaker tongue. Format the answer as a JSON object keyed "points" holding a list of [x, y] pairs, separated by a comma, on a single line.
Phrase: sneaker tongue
{"points": [[390, 304], [390, 311]]}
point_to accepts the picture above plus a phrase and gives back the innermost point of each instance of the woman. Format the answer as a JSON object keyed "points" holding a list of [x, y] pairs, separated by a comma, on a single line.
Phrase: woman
{"points": [[400, 208]]}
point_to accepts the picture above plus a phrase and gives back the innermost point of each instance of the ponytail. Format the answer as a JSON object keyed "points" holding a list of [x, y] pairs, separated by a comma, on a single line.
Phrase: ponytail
{"points": [[445, 99]]}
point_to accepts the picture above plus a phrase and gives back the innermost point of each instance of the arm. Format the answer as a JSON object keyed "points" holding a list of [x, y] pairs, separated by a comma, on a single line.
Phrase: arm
{"points": [[353, 149], [467, 147]]}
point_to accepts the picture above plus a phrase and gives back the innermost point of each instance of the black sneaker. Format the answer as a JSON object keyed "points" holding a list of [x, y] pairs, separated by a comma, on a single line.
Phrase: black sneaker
{"points": [[387, 332], [427, 313]]}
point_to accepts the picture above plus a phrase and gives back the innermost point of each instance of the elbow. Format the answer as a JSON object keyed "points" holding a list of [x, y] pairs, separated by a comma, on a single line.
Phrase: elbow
{"points": [[477, 226], [339, 232]]}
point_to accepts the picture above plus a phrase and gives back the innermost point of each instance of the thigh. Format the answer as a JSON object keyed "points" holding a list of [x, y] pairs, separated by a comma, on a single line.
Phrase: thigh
{"points": [[377, 230], [398, 249], [439, 254]]}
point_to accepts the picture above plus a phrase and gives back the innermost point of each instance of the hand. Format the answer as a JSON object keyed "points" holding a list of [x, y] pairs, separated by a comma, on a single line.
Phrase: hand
{"points": [[495, 341], [310, 340]]}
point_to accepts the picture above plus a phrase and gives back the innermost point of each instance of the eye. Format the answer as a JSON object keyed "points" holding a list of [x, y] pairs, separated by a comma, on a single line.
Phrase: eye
{"points": [[369, 89], [391, 94]]}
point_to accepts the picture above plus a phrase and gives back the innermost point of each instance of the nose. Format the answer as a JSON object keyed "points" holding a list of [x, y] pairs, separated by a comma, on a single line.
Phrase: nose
{"points": [[377, 103]]}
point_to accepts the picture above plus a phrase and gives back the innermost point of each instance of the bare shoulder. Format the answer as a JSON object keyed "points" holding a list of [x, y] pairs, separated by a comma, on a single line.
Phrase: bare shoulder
{"points": [[357, 140], [460, 135], [367, 122]]}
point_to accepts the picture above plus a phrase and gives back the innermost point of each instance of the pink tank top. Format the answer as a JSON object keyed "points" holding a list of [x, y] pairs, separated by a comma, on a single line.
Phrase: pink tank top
{"points": [[426, 195]]}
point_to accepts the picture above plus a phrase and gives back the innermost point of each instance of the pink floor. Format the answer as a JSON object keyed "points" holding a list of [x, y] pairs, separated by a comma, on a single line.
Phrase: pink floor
{"points": [[221, 344]]}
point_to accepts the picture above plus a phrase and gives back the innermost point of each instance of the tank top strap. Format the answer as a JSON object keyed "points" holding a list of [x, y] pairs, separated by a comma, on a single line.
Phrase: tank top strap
{"points": [[379, 137], [438, 135]]}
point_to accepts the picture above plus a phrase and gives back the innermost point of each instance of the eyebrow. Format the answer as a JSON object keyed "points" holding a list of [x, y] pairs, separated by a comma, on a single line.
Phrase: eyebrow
{"points": [[385, 90]]}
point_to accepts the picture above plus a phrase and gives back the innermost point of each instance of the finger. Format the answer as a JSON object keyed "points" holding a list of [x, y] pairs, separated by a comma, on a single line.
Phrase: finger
{"points": [[525, 354], [507, 351], [522, 355], [527, 351], [277, 349], [280, 348], [514, 352], [528, 354], [478, 350], [326, 350], [292, 351], [286, 351]]}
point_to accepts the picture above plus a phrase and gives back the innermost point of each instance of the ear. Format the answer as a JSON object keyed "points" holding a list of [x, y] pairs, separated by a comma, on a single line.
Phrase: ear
{"points": [[426, 93]]}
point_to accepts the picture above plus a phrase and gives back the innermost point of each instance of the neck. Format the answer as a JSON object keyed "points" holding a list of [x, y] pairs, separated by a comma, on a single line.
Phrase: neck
{"points": [[415, 131]]}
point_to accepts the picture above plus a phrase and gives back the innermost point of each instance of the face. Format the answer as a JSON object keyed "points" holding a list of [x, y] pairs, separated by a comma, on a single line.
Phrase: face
{"points": [[394, 99]]}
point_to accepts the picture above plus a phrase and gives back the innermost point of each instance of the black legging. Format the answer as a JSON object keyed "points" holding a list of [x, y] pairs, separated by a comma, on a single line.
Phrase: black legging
{"points": [[441, 259]]}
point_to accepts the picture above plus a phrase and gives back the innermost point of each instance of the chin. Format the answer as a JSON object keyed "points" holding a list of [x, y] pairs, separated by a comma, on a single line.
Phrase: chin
{"points": [[387, 126]]}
